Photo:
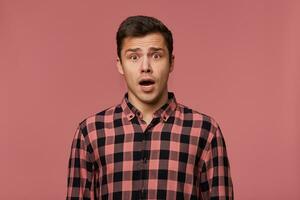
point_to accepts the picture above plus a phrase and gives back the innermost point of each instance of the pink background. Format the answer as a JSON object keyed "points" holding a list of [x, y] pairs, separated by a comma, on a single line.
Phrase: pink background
{"points": [[237, 61]]}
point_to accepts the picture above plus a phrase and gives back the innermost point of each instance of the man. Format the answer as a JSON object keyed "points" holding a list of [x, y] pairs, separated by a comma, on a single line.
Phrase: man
{"points": [[149, 146]]}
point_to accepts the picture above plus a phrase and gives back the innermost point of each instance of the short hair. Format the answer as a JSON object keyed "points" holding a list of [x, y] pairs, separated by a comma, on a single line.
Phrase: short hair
{"points": [[138, 26]]}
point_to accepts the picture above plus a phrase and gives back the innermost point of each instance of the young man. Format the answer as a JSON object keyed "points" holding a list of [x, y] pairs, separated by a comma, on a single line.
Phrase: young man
{"points": [[149, 146]]}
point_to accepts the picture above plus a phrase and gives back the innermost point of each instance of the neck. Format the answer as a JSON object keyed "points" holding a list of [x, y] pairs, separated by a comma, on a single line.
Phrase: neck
{"points": [[148, 108]]}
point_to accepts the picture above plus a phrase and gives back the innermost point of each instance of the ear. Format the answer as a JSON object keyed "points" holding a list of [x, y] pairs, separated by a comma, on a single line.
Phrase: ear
{"points": [[119, 66], [172, 63]]}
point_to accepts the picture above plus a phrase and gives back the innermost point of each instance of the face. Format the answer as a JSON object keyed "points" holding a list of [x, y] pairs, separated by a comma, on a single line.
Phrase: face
{"points": [[145, 66]]}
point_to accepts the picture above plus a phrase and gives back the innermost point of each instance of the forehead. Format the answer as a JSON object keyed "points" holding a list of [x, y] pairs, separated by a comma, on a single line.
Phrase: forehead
{"points": [[144, 42]]}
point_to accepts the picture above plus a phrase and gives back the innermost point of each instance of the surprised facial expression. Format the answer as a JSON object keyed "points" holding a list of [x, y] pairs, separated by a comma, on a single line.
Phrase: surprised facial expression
{"points": [[145, 65]]}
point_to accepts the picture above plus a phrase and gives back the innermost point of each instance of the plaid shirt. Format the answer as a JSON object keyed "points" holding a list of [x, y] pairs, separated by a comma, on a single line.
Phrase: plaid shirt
{"points": [[181, 154]]}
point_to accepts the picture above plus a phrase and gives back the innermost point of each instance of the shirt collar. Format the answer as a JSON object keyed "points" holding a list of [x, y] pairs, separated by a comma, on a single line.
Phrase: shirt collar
{"points": [[164, 112]]}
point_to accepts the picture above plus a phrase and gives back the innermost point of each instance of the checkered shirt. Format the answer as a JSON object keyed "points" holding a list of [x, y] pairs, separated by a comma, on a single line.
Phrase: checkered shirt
{"points": [[181, 154]]}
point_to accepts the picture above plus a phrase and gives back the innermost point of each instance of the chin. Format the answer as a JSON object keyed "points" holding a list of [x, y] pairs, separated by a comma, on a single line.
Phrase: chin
{"points": [[150, 98], [147, 99]]}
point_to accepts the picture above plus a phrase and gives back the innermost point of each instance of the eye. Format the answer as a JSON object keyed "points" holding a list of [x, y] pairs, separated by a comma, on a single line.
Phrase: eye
{"points": [[156, 56], [134, 57]]}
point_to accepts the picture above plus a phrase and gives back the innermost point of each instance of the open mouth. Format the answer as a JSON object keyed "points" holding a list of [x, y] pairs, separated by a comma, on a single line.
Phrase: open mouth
{"points": [[146, 82]]}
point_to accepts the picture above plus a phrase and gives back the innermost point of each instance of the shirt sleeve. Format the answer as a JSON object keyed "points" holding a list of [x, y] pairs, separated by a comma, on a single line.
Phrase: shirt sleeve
{"points": [[82, 177], [215, 177]]}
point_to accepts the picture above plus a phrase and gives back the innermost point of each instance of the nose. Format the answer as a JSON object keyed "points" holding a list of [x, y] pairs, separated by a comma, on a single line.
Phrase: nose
{"points": [[146, 66]]}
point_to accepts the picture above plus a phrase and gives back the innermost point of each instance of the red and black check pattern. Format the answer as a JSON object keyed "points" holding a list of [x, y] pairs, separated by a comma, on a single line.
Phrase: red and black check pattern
{"points": [[181, 154]]}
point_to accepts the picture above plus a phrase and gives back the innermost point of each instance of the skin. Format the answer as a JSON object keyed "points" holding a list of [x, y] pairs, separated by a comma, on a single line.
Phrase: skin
{"points": [[146, 57]]}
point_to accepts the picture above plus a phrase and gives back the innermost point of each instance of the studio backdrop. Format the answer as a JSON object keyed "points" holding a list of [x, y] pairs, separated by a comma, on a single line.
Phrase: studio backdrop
{"points": [[237, 61]]}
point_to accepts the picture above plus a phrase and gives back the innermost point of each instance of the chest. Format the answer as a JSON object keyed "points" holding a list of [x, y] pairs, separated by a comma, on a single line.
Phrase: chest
{"points": [[160, 147]]}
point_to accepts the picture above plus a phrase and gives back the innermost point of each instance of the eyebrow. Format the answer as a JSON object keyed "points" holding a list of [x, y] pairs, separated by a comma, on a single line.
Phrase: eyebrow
{"points": [[133, 50], [139, 49], [156, 49]]}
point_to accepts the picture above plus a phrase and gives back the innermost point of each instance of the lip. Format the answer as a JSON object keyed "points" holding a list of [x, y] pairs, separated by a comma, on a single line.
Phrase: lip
{"points": [[147, 88], [147, 79]]}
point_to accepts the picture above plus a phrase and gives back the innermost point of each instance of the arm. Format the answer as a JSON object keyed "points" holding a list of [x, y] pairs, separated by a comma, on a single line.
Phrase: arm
{"points": [[81, 174], [216, 182]]}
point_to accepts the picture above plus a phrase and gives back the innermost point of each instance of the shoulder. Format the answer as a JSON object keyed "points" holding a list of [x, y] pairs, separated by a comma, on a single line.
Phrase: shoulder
{"points": [[97, 121], [203, 120], [204, 125]]}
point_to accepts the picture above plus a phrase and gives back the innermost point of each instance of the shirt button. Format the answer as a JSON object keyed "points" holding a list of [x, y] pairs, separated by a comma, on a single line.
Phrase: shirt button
{"points": [[143, 193]]}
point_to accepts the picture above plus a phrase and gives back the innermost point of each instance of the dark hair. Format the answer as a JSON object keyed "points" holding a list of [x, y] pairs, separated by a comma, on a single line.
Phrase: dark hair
{"points": [[137, 26]]}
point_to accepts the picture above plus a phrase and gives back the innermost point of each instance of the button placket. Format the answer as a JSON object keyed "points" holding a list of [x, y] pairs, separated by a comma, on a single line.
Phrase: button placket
{"points": [[143, 157], [143, 193]]}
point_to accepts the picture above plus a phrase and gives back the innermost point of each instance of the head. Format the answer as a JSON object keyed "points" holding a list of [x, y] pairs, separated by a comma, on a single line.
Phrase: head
{"points": [[137, 26], [145, 59]]}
